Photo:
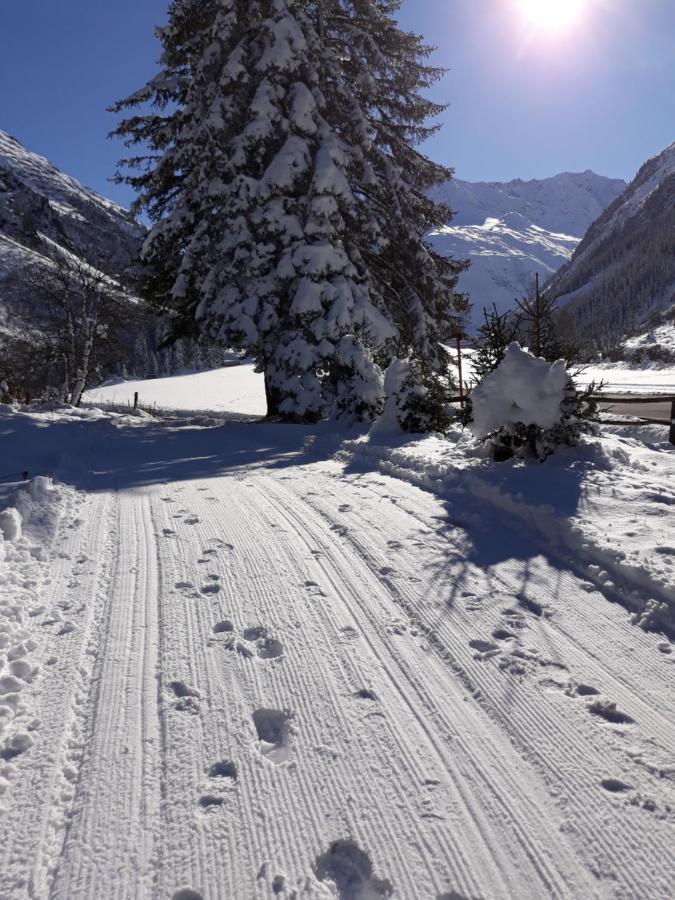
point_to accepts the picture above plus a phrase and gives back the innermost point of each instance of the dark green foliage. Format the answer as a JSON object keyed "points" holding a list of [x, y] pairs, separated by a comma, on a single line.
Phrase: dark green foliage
{"points": [[424, 401], [493, 338], [578, 416]]}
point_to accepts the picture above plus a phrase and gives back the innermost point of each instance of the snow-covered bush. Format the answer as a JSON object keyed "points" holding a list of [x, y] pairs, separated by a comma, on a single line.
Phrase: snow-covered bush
{"points": [[418, 399], [528, 406]]}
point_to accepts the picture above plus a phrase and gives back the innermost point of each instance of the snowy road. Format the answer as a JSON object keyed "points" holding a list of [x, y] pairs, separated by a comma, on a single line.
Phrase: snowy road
{"points": [[295, 677]]}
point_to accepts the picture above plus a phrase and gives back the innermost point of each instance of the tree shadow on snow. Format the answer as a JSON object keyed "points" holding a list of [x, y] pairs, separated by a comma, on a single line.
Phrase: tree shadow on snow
{"points": [[100, 454]]}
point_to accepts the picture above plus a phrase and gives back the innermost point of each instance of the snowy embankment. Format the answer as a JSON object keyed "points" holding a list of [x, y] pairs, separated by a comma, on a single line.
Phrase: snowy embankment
{"points": [[27, 532], [607, 508], [258, 665]]}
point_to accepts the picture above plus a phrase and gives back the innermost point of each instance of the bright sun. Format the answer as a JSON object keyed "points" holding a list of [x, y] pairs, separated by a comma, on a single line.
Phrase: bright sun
{"points": [[551, 15]]}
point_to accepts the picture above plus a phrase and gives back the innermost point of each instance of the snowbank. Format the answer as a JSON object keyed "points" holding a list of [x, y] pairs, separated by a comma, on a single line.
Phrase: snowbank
{"points": [[27, 534], [607, 507], [10, 524], [524, 389]]}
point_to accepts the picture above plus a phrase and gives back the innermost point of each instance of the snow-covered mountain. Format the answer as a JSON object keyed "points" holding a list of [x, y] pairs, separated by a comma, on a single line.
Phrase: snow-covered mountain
{"points": [[621, 279], [44, 212], [512, 230]]}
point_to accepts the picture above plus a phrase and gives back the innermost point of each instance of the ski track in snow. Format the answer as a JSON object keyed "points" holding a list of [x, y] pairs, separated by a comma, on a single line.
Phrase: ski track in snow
{"points": [[309, 682]]}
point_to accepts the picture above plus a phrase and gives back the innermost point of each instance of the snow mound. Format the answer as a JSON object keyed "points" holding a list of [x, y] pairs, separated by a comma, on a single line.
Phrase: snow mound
{"points": [[10, 524], [394, 378], [524, 389]]}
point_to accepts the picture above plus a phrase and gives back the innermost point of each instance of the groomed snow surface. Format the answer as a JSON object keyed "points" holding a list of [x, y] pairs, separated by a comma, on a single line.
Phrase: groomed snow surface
{"points": [[251, 661]]}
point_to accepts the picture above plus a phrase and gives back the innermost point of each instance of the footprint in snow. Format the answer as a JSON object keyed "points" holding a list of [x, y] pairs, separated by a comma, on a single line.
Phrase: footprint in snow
{"points": [[224, 769], [168, 532], [349, 633], [187, 697], [531, 606], [255, 641], [344, 508], [585, 690], [192, 520], [615, 786], [273, 728], [210, 802], [365, 694], [386, 570], [501, 634], [16, 745], [608, 711], [186, 894], [483, 648], [514, 618], [348, 871], [212, 586], [267, 647]]}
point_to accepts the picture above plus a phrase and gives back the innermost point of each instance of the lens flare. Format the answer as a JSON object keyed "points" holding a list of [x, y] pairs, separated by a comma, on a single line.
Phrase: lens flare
{"points": [[551, 15]]}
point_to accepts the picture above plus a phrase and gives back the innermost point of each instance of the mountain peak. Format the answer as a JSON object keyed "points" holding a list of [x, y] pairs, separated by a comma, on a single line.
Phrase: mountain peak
{"points": [[512, 230]]}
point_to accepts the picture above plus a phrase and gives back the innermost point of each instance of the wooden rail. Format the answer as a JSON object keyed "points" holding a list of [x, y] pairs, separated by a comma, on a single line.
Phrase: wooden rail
{"points": [[664, 398]]}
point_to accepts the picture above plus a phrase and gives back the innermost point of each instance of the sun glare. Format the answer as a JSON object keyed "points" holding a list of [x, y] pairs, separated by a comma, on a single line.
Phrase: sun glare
{"points": [[551, 15]]}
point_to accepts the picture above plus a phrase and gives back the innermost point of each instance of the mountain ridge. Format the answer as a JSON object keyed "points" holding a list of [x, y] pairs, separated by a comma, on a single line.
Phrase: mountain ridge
{"points": [[513, 230], [621, 278]]}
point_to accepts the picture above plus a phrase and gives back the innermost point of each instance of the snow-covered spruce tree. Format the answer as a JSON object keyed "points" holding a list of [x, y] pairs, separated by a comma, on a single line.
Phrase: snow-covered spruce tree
{"points": [[287, 198]]}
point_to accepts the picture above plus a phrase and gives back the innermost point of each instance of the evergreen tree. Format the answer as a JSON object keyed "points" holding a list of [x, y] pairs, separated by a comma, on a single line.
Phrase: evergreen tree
{"points": [[545, 329], [499, 331], [287, 196]]}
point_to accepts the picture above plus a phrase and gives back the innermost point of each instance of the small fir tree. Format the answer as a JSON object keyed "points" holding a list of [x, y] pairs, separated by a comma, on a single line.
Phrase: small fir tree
{"points": [[493, 337]]}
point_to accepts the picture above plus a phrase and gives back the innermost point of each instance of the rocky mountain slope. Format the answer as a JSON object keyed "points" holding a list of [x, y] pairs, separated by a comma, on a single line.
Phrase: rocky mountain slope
{"points": [[621, 279], [44, 213], [512, 230]]}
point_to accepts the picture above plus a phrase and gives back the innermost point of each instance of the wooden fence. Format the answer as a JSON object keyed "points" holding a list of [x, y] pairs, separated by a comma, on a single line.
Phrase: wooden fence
{"points": [[642, 401]]}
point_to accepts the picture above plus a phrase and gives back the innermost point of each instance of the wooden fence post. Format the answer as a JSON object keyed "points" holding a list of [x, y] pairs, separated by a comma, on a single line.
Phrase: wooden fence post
{"points": [[672, 422], [136, 400]]}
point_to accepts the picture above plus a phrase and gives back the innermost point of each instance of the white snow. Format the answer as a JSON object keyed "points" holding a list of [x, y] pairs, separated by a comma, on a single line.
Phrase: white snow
{"points": [[246, 660], [236, 389], [512, 230], [10, 524], [523, 389], [620, 378]]}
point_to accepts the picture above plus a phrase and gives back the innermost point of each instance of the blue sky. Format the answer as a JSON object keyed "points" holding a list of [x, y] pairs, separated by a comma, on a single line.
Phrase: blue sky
{"points": [[597, 96]]}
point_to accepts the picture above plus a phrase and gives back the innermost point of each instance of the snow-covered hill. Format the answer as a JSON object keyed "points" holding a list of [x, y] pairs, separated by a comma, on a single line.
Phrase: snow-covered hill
{"points": [[621, 279], [512, 230], [43, 213]]}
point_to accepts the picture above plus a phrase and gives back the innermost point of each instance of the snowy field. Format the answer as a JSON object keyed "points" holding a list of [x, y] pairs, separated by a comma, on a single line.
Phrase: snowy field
{"points": [[245, 661], [237, 389], [618, 378]]}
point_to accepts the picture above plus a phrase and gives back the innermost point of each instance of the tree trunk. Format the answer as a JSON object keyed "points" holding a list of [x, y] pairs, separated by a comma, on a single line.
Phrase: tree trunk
{"points": [[273, 397]]}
